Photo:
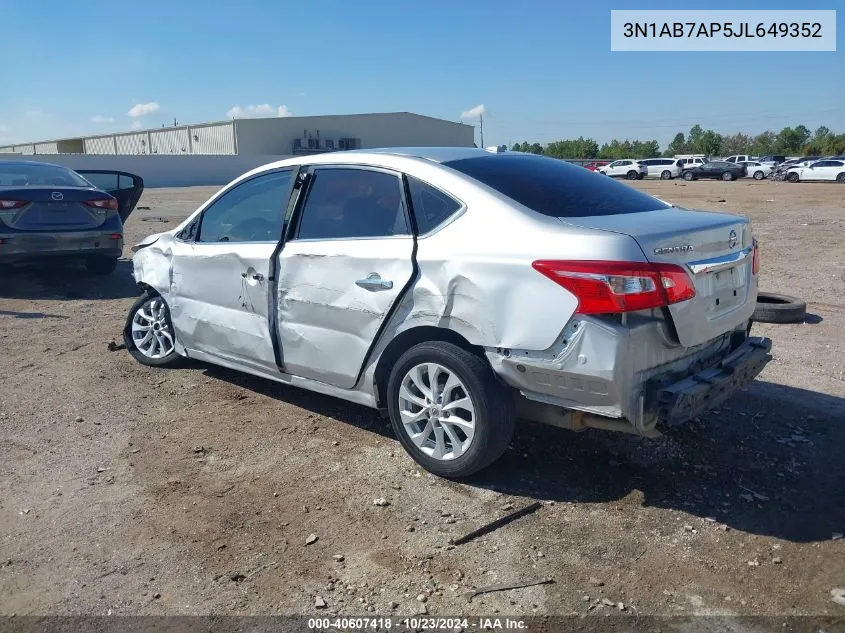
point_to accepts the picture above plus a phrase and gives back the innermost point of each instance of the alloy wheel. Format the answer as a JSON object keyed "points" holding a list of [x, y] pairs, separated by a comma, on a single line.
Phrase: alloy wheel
{"points": [[437, 411], [151, 329]]}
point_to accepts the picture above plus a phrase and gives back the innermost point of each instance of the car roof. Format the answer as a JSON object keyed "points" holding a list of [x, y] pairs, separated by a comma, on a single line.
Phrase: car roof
{"points": [[435, 154], [25, 163]]}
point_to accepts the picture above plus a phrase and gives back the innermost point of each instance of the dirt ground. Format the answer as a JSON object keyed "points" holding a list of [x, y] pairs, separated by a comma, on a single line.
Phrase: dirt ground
{"points": [[131, 490]]}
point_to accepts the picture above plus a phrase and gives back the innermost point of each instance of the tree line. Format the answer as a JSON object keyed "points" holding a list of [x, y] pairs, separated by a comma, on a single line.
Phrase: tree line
{"points": [[798, 140]]}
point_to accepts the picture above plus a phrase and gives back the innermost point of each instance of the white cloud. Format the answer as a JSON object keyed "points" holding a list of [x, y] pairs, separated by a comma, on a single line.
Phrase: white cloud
{"points": [[99, 118], [252, 111], [136, 125], [143, 109], [474, 113]]}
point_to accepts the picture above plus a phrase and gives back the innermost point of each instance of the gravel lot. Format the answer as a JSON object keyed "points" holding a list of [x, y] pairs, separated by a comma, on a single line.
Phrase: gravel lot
{"points": [[132, 490]]}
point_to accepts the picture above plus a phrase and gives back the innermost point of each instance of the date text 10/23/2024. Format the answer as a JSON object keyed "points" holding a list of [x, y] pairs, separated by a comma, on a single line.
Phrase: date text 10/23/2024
{"points": [[416, 623]]}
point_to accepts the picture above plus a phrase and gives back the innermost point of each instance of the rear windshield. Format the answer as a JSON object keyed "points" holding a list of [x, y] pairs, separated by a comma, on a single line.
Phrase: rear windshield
{"points": [[39, 175], [554, 187]]}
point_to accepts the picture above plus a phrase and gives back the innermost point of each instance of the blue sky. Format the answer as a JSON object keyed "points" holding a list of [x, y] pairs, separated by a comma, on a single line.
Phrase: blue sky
{"points": [[543, 69]]}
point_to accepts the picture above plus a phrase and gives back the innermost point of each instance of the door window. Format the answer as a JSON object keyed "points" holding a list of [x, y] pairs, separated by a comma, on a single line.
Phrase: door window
{"points": [[250, 212], [349, 203], [103, 180], [431, 206]]}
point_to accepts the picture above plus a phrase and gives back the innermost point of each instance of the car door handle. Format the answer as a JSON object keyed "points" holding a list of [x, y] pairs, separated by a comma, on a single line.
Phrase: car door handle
{"points": [[374, 282], [256, 276]]}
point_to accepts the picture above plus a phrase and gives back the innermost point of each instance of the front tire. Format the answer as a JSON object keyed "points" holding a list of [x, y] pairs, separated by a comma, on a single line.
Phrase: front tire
{"points": [[688, 176], [666, 175], [148, 333], [840, 178], [793, 177], [448, 409], [727, 176], [100, 264], [759, 175]]}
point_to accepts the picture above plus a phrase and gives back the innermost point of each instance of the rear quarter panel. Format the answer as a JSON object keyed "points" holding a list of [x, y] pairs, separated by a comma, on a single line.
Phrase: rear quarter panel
{"points": [[475, 275]]}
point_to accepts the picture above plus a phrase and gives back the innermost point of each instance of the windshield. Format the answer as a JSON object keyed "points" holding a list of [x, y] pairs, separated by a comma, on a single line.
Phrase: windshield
{"points": [[554, 187], [39, 175]]}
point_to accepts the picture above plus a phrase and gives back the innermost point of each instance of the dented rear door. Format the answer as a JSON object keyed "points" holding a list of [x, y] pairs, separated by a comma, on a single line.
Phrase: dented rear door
{"points": [[346, 262]]}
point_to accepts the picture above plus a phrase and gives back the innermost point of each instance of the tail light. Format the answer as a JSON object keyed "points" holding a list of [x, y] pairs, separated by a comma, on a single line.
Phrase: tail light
{"points": [[604, 287], [115, 236], [12, 204], [108, 203], [755, 257]]}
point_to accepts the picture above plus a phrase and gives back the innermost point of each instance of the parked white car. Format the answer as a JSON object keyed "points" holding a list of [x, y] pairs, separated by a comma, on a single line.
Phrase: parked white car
{"points": [[820, 170], [456, 290], [630, 169], [663, 168], [756, 170], [693, 161], [738, 158]]}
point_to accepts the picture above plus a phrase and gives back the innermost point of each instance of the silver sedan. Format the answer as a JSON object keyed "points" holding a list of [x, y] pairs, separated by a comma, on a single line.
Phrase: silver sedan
{"points": [[457, 290]]}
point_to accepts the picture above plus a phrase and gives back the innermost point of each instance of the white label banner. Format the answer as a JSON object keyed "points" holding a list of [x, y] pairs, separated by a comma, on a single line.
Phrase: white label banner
{"points": [[717, 30]]}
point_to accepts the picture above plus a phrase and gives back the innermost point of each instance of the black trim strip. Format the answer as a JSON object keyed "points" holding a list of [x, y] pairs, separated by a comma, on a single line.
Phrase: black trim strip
{"points": [[297, 184]]}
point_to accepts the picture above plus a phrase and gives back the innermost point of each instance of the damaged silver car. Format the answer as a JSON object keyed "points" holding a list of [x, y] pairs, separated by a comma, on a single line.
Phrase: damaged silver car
{"points": [[456, 290]]}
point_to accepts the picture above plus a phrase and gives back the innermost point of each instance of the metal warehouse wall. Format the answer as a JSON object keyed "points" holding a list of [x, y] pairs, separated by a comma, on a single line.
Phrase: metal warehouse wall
{"points": [[168, 171], [214, 138], [276, 135]]}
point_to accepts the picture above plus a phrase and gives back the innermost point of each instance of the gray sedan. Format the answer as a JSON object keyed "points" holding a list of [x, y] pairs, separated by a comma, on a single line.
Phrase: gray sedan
{"points": [[457, 290]]}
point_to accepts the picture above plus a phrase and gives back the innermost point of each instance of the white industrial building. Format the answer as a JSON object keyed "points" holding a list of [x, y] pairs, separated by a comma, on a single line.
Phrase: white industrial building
{"points": [[214, 153]]}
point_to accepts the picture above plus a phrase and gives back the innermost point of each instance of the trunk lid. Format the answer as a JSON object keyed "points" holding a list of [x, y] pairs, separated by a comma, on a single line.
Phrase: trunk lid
{"points": [[53, 209], [715, 249]]}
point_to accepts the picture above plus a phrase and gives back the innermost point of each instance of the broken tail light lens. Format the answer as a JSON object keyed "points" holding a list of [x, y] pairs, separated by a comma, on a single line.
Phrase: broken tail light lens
{"points": [[607, 287], [12, 204], [108, 203], [755, 257]]}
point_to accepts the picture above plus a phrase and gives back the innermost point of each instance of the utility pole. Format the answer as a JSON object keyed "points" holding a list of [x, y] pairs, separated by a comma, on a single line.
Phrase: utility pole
{"points": [[481, 120]]}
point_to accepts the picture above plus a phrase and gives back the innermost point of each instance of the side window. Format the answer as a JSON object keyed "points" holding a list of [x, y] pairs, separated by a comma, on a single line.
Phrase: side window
{"points": [[431, 206], [250, 212], [126, 182], [103, 181], [348, 203]]}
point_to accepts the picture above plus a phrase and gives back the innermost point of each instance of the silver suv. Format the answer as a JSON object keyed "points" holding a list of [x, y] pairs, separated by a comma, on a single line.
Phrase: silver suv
{"points": [[456, 290]]}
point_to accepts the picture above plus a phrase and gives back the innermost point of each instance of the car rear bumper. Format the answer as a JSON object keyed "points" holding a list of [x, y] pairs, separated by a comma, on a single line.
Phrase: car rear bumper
{"points": [[611, 369], [674, 401], [19, 246]]}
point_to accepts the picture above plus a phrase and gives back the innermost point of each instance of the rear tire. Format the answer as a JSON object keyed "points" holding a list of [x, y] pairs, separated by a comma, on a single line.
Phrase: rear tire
{"points": [[774, 308], [841, 178], [632, 175], [688, 176], [666, 175], [759, 175], [420, 418], [101, 265]]}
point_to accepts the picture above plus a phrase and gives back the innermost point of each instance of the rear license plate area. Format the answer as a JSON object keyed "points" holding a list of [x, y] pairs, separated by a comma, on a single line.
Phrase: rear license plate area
{"points": [[727, 288]]}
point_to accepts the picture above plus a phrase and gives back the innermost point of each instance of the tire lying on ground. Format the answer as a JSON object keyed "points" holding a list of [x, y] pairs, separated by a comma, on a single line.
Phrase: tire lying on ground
{"points": [[774, 308]]}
